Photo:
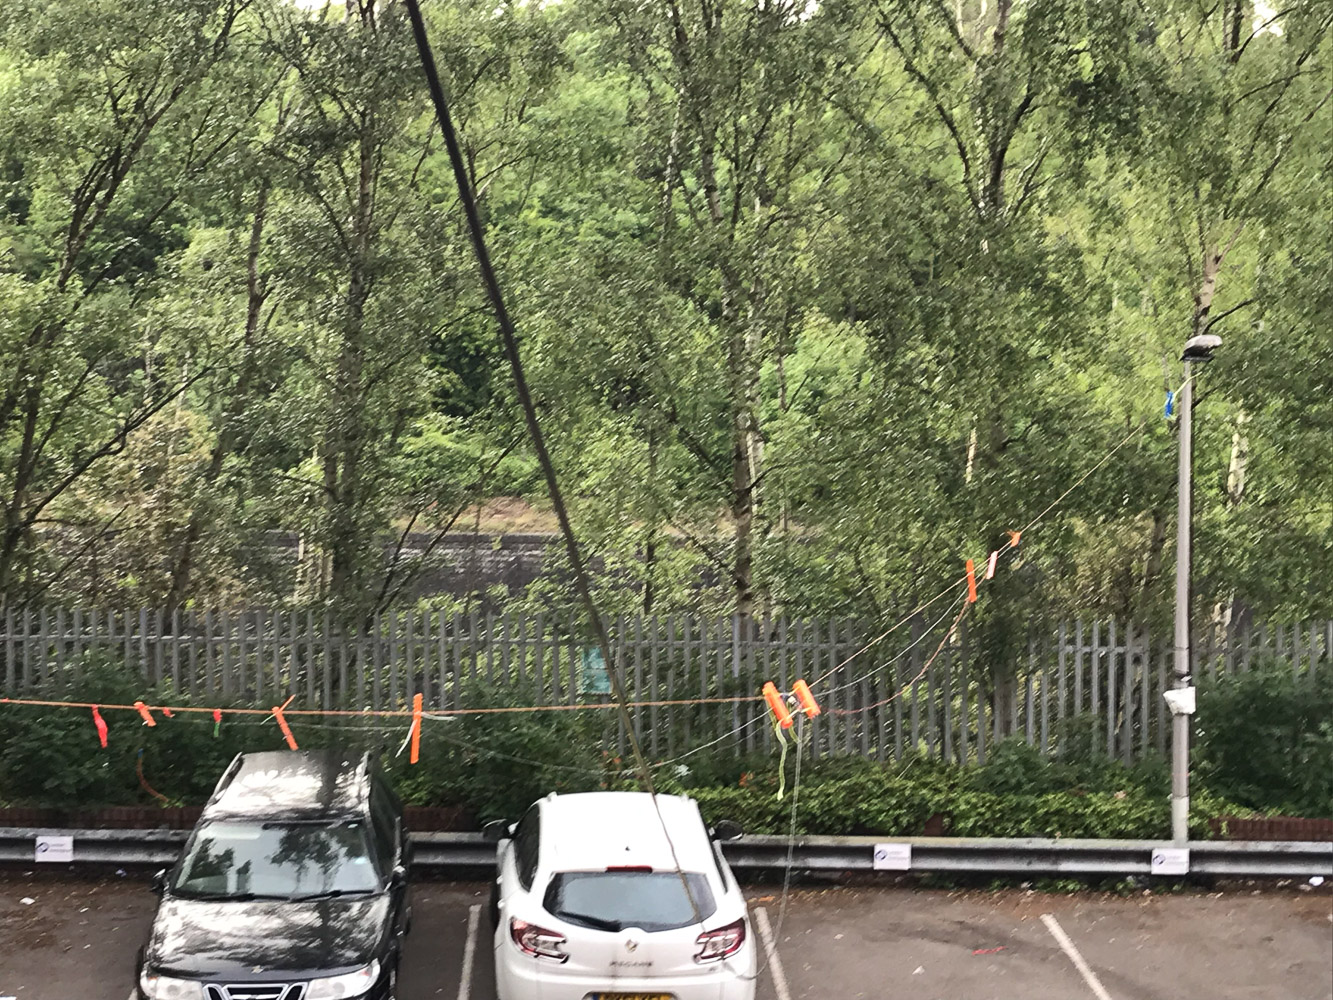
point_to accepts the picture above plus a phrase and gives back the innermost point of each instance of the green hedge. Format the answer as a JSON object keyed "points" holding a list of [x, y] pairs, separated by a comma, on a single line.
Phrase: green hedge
{"points": [[496, 764], [52, 757], [1266, 739], [885, 804]]}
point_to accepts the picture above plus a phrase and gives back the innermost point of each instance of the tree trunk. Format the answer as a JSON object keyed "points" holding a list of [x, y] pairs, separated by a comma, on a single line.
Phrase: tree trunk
{"points": [[1005, 681], [1152, 564], [1236, 468], [343, 461], [256, 292], [742, 479], [650, 545], [1203, 298]]}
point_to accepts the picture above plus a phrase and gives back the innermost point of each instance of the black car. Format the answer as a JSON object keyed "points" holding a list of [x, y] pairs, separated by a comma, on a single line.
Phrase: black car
{"points": [[292, 886]]}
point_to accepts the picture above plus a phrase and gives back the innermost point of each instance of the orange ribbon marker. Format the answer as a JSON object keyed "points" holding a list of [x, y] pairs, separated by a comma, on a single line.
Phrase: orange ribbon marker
{"points": [[415, 754], [971, 583], [147, 716], [100, 723], [1014, 536], [807, 700], [282, 724], [990, 567], [776, 703]]}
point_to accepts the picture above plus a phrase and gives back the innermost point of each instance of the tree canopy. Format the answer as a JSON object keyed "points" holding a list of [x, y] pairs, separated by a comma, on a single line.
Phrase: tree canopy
{"points": [[818, 299]]}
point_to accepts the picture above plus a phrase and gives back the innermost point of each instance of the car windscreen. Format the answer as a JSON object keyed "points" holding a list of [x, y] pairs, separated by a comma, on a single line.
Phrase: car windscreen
{"points": [[276, 860], [614, 900]]}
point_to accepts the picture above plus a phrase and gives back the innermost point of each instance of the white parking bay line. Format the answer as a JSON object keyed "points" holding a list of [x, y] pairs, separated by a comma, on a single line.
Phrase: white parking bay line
{"points": [[771, 948], [1062, 938], [469, 950]]}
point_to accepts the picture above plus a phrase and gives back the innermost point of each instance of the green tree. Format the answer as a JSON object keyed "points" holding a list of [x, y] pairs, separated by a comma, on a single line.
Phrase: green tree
{"points": [[112, 113]]}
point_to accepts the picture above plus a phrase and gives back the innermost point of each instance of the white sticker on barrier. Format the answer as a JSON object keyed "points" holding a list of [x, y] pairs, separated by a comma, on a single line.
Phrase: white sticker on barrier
{"points": [[55, 849], [893, 857], [1171, 861]]}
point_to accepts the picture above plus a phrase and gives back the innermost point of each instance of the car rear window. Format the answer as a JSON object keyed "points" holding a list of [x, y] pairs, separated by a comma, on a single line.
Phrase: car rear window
{"points": [[614, 900]]}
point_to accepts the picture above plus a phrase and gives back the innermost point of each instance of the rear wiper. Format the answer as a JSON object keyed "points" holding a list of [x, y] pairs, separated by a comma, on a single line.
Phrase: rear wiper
{"points": [[328, 894], [600, 923]]}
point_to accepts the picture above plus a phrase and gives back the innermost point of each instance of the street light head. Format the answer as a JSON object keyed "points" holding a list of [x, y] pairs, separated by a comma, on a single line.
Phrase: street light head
{"points": [[1201, 348]]}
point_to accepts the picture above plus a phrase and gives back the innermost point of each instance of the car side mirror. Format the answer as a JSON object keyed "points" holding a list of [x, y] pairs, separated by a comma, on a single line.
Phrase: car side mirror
{"points": [[398, 877], [727, 830], [495, 831], [159, 883]]}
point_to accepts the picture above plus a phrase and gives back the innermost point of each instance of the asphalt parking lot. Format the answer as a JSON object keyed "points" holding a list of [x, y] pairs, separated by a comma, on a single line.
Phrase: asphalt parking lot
{"points": [[77, 938]]}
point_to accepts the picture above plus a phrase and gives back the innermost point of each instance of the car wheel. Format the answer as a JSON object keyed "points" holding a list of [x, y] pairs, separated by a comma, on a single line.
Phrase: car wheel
{"points": [[407, 922], [391, 992], [494, 908]]}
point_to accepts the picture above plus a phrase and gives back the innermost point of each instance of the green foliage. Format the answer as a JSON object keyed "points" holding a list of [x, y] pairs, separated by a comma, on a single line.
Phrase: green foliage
{"points": [[1265, 739], [1015, 767], [498, 764], [815, 300], [869, 799], [52, 757]]}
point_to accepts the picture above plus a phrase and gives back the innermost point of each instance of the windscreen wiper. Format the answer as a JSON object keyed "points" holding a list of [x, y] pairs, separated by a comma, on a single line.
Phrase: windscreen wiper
{"points": [[227, 897], [328, 894], [312, 821]]}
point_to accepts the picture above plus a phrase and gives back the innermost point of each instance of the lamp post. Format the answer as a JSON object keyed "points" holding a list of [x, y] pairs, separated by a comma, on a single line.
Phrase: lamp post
{"points": [[1181, 697]]}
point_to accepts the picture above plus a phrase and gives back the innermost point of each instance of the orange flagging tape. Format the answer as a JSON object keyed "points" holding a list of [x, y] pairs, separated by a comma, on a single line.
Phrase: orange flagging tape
{"points": [[415, 755], [990, 566], [805, 699], [1014, 536], [282, 724], [146, 715], [776, 703], [971, 583], [100, 723]]}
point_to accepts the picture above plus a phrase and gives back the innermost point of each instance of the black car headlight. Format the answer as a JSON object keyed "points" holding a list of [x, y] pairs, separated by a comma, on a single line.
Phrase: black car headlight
{"points": [[348, 985], [156, 987]]}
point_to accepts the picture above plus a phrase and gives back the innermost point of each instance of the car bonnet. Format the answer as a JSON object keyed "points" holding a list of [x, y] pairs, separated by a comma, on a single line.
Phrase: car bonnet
{"points": [[258, 939]]}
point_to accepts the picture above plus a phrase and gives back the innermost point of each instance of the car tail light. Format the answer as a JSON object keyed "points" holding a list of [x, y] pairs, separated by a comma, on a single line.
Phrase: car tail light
{"points": [[721, 943], [538, 941]]}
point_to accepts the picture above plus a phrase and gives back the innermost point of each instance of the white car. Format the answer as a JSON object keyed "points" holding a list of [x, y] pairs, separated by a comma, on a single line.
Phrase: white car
{"points": [[597, 898]]}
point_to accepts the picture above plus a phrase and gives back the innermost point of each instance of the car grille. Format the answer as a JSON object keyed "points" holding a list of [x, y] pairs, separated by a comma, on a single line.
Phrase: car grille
{"points": [[255, 991]]}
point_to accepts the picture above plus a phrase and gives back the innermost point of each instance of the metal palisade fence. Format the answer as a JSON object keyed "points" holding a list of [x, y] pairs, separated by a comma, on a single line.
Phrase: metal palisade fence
{"points": [[1095, 683]]}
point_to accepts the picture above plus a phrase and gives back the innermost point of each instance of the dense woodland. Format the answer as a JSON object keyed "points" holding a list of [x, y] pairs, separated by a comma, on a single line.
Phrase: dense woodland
{"points": [[817, 299]]}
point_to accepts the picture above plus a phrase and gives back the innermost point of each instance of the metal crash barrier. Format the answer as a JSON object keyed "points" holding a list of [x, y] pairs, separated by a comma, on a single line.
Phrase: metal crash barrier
{"points": [[443, 852]]}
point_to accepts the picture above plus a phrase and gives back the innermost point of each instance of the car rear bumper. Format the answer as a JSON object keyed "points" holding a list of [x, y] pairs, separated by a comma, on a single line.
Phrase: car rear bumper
{"points": [[525, 980]]}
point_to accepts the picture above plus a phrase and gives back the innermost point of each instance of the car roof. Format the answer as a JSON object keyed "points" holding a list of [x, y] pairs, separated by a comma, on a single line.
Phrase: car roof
{"points": [[592, 831], [304, 784]]}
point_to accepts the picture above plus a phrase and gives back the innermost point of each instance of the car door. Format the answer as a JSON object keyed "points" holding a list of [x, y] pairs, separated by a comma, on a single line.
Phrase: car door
{"points": [[517, 866], [391, 847]]}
